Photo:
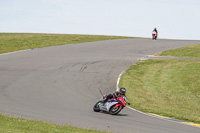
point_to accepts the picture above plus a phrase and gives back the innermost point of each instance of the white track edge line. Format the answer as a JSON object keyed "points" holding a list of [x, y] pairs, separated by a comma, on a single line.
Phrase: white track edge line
{"points": [[117, 86]]}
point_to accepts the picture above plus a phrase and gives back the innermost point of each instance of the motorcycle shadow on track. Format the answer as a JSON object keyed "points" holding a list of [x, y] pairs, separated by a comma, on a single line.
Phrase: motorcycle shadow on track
{"points": [[122, 114]]}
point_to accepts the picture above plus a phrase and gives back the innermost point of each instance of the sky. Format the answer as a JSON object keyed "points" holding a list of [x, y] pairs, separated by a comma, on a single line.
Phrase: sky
{"points": [[174, 19]]}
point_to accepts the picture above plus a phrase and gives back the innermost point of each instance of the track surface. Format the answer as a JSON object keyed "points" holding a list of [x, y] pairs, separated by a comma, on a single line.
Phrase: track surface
{"points": [[61, 84]]}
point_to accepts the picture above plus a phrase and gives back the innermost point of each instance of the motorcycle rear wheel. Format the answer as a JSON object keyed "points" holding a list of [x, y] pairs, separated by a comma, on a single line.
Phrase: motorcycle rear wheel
{"points": [[96, 107], [115, 111]]}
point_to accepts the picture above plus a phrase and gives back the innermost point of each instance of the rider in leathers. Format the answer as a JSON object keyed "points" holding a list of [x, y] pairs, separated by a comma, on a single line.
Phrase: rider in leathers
{"points": [[155, 30], [117, 94]]}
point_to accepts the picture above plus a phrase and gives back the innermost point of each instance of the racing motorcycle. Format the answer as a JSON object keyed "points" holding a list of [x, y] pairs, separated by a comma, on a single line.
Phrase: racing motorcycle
{"points": [[112, 106], [154, 35]]}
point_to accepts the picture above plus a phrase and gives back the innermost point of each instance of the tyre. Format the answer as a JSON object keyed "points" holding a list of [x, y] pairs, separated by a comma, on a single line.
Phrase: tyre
{"points": [[153, 37], [96, 107], [114, 111]]}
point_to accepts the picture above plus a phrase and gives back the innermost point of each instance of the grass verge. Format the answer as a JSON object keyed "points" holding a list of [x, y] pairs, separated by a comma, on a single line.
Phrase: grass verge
{"points": [[17, 125], [10, 42], [189, 51], [166, 87]]}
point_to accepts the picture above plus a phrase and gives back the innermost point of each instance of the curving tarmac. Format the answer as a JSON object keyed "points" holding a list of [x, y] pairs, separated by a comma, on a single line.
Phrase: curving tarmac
{"points": [[61, 84]]}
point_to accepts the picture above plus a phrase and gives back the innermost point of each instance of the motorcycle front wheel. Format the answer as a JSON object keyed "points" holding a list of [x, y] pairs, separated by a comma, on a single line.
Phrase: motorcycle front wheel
{"points": [[96, 107], [114, 111]]}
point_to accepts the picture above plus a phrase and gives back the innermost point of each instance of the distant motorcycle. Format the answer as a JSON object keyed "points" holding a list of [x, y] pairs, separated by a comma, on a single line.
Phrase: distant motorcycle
{"points": [[112, 106], [154, 35]]}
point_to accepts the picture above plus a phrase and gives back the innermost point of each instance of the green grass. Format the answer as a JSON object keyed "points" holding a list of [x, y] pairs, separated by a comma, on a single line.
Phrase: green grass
{"points": [[189, 51], [166, 87], [17, 125], [10, 42]]}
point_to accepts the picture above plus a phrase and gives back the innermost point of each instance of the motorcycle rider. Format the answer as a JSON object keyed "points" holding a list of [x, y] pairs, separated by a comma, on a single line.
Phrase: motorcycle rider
{"points": [[122, 91], [155, 30]]}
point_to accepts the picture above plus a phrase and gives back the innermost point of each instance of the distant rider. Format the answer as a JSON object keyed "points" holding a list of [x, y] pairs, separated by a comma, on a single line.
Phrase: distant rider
{"points": [[155, 32], [122, 91]]}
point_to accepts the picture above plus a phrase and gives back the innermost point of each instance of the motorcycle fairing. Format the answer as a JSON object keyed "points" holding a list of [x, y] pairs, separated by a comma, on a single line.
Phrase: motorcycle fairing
{"points": [[106, 107]]}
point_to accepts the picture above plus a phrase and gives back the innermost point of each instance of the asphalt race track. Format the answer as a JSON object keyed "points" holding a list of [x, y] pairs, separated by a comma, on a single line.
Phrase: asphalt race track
{"points": [[60, 84]]}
